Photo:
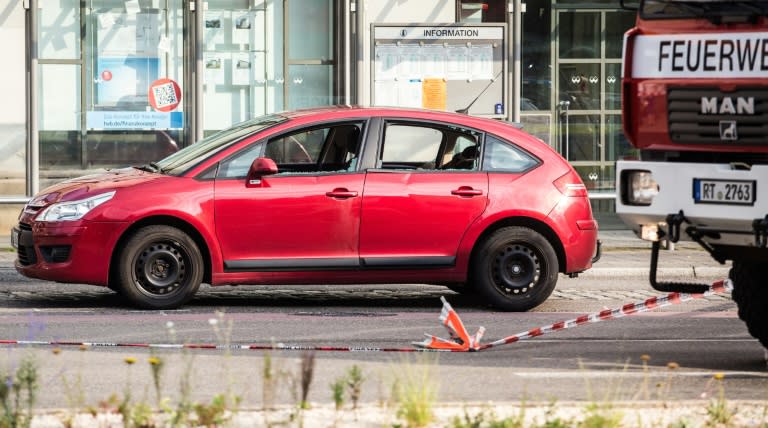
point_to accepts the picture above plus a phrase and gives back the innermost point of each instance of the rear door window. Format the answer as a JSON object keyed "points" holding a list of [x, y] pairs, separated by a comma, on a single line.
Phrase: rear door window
{"points": [[429, 147], [506, 157]]}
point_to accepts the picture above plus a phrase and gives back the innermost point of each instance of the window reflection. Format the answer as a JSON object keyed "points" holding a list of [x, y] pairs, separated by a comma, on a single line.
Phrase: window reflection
{"points": [[580, 85], [579, 35], [537, 63]]}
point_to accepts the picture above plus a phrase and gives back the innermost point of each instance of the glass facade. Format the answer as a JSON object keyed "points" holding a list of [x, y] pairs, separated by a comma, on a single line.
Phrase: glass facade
{"points": [[128, 82], [115, 83], [109, 95], [259, 59], [571, 84]]}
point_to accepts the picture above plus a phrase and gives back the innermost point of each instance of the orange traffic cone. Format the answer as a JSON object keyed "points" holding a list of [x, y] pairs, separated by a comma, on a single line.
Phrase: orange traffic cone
{"points": [[460, 340]]}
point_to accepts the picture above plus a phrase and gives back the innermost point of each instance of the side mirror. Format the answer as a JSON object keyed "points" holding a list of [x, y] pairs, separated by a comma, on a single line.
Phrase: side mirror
{"points": [[259, 168]]}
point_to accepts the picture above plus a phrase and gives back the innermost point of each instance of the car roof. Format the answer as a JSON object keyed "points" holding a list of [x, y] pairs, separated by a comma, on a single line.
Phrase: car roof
{"points": [[340, 111]]}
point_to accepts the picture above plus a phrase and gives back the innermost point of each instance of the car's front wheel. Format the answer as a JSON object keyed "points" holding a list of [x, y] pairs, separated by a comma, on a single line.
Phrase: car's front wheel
{"points": [[160, 267], [515, 269]]}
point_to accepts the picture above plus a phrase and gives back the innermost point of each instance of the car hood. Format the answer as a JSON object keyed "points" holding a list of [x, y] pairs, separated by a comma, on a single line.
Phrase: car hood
{"points": [[91, 185]]}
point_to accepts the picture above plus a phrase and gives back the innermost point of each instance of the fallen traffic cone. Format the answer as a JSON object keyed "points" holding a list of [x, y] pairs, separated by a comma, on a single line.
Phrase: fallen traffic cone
{"points": [[460, 340]]}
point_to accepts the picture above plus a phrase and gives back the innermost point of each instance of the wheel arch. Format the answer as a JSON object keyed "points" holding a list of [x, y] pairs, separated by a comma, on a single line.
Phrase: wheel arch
{"points": [[164, 220], [544, 229]]}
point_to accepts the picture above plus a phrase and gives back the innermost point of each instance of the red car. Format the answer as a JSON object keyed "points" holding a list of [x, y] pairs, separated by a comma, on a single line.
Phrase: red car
{"points": [[323, 196]]}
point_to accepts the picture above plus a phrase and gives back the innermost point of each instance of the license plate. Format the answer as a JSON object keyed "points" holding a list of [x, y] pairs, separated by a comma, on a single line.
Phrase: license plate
{"points": [[731, 192], [15, 238]]}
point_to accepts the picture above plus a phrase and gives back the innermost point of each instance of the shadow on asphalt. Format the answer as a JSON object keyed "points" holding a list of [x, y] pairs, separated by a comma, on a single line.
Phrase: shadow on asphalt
{"points": [[389, 299]]}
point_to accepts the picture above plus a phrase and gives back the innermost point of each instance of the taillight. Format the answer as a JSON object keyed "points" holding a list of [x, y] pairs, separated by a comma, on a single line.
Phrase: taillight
{"points": [[626, 81], [570, 184], [627, 51]]}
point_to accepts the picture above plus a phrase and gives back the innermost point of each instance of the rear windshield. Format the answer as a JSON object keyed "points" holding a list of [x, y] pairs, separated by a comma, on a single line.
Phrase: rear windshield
{"points": [[717, 11], [186, 158]]}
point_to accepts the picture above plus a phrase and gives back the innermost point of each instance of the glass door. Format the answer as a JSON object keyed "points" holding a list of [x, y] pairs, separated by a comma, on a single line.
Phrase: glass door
{"points": [[265, 57], [133, 82], [588, 64]]}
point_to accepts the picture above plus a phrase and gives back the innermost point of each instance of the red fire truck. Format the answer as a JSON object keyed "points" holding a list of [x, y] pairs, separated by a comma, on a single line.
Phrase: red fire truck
{"points": [[695, 105]]}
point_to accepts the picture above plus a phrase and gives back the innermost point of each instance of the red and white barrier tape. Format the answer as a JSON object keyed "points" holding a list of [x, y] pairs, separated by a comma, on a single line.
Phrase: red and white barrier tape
{"points": [[460, 340], [244, 347]]}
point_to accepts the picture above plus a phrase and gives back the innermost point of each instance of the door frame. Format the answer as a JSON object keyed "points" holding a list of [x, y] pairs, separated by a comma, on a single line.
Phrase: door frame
{"points": [[562, 112]]}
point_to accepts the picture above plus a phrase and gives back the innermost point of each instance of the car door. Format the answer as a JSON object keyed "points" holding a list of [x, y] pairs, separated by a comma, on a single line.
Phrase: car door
{"points": [[426, 190], [307, 216]]}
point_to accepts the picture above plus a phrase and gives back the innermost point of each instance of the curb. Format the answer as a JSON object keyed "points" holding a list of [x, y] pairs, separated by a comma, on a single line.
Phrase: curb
{"points": [[689, 273]]}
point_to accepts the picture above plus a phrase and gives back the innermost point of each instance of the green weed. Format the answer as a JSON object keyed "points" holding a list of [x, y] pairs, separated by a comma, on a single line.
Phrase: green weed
{"points": [[18, 394], [416, 393]]}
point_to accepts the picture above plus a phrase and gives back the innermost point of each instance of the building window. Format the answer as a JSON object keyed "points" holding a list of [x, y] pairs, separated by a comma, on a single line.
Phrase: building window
{"points": [[482, 11], [537, 61]]}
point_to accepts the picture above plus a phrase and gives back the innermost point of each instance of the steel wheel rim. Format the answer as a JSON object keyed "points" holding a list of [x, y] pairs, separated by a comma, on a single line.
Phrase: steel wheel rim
{"points": [[516, 269], [161, 269]]}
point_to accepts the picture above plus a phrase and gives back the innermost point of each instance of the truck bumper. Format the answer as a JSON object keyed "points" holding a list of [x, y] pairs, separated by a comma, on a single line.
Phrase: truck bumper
{"points": [[720, 221]]}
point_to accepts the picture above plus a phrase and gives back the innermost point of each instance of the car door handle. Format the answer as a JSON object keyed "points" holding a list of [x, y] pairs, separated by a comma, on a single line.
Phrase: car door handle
{"points": [[341, 194], [466, 191]]}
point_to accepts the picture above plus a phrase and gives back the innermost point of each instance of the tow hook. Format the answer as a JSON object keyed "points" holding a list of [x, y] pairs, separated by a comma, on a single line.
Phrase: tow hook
{"points": [[598, 252], [760, 227], [674, 221]]}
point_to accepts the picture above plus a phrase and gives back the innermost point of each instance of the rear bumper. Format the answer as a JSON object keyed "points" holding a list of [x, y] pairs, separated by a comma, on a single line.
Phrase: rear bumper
{"points": [[577, 230], [729, 223]]}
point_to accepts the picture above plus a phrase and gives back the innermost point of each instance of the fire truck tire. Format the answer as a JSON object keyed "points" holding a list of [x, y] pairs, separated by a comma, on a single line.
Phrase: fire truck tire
{"points": [[751, 297]]}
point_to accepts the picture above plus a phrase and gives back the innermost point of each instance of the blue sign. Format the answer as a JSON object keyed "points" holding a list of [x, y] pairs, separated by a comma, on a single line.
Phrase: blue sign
{"points": [[134, 120]]}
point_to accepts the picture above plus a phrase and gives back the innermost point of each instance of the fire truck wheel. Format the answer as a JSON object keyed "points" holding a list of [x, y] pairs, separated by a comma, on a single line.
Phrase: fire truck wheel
{"points": [[515, 269], [751, 298]]}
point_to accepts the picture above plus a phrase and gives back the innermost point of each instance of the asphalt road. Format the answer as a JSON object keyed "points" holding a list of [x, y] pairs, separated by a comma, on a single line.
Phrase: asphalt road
{"points": [[591, 362]]}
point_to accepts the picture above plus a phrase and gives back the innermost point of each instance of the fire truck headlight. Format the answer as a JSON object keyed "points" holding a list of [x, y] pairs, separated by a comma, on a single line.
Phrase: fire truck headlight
{"points": [[641, 188]]}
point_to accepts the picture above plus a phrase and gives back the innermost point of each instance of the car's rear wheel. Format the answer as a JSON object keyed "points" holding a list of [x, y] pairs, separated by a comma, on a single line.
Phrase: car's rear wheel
{"points": [[751, 297], [515, 269], [160, 267]]}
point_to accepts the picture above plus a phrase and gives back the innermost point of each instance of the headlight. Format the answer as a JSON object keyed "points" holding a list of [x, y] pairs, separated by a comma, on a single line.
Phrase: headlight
{"points": [[641, 187], [73, 210]]}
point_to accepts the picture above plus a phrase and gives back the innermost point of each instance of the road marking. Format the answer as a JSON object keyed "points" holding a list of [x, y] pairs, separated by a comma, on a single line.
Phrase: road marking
{"points": [[580, 374]]}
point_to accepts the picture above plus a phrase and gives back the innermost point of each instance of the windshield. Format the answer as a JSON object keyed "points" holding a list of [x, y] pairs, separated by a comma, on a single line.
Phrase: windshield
{"points": [[186, 158], [717, 11]]}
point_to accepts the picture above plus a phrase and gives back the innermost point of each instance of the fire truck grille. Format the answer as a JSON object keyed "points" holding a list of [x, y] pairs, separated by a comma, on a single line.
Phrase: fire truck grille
{"points": [[710, 116]]}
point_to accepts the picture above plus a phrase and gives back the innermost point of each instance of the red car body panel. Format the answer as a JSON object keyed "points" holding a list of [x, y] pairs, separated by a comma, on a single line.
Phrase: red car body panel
{"points": [[298, 217], [271, 220], [396, 205]]}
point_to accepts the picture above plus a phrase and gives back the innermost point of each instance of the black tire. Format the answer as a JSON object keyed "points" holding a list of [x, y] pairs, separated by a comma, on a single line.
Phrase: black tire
{"points": [[751, 298], [160, 267], [515, 269]]}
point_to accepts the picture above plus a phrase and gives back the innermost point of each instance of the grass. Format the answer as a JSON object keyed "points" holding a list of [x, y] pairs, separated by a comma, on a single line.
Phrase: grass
{"points": [[415, 391], [414, 397]]}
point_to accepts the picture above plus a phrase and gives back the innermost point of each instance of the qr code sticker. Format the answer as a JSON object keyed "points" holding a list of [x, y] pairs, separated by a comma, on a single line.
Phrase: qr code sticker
{"points": [[165, 95]]}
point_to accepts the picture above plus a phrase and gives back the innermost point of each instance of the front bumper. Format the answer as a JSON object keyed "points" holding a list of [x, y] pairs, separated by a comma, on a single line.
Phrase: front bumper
{"points": [[73, 252], [718, 223]]}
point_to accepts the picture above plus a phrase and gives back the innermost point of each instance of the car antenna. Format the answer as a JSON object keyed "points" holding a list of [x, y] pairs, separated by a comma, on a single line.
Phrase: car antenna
{"points": [[466, 109]]}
